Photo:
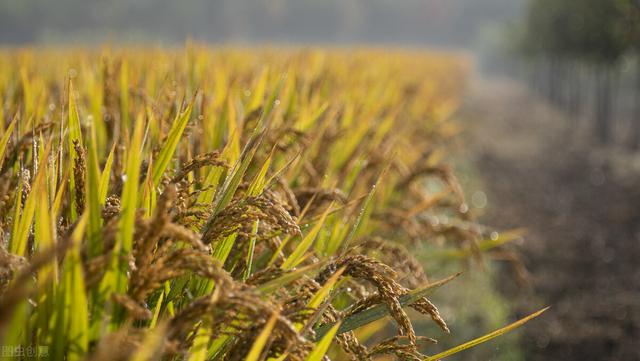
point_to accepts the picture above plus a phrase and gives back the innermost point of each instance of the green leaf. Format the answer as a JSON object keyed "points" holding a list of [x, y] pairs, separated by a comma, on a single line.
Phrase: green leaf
{"points": [[148, 197], [218, 347], [343, 149], [252, 245], [130, 189], [106, 175], [27, 92], [233, 180], [5, 139], [93, 196], [323, 292], [269, 105], [47, 275], [124, 96], [21, 235], [223, 248], [171, 143], [318, 298], [198, 351], [261, 340], [75, 296], [298, 253], [237, 173], [72, 316], [259, 90], [17, 329], [44, 235], [257, 185], [363, 216], [323, 346], [275, 284], [483, 246], [115, 279], [75, 132], [486, 337], [234, 132], [151, 345], [156, 310]]}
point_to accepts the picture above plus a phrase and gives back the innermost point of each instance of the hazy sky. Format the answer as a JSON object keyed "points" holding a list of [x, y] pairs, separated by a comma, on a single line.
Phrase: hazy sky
{"points": [[437, 22]]}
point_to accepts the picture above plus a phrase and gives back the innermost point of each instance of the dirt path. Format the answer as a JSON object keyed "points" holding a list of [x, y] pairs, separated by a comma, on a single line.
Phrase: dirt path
{"points": [[583, 220]]}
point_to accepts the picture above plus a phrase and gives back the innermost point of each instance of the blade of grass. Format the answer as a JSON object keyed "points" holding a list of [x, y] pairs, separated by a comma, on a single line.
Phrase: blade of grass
{"points": [[156, 310], [198, 351], [5, 138], [223, 248], [71, 320], [257, 185], [93, 193], [363, 216], [115, 279], [233, 180], [261, 340], [171, 143], [485, 338], [47, 275], [150, 345], [252, 245], [211, 183], [269, 105], [148, 198], [234, 132], [106, 175], [44, 237], [130, 189], [17, 330], [323, 292], [483, 246], [57, 202], [75, 296], [323, 346], [27, 92], [273, 285], [20, 237], [124, 96], [297, 255], [259, 90]]}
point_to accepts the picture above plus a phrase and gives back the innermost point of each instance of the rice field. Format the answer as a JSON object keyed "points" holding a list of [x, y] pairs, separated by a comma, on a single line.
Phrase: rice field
{"points": [[228, 204]]}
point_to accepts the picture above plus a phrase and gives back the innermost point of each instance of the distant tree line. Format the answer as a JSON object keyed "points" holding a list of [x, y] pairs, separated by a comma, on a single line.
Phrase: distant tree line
{"points": [[579, 53]]}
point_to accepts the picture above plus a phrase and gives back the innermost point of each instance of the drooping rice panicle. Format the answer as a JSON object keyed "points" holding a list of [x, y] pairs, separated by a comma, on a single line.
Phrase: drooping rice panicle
{"points": [[271, 215]]}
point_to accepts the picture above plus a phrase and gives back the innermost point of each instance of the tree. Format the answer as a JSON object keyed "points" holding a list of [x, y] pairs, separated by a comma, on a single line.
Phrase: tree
{"points": [[629, 28], [578, 32]]}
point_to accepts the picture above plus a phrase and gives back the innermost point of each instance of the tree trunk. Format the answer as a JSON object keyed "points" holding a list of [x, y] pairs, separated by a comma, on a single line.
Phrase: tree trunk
{"points": [[575, 107], [553, 84], [635, 130], [603, 101], [564, 85]]}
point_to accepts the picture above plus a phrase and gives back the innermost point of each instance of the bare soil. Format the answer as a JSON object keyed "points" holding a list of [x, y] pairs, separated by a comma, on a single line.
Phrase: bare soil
{"points": [[581, 206]]}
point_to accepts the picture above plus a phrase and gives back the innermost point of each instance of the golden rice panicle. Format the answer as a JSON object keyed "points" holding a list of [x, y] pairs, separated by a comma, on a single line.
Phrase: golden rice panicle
{"points": [[225, 203]]}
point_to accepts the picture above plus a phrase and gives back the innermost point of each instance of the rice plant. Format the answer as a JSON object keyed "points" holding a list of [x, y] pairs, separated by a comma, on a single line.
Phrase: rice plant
{"points": [[235, 204]]}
